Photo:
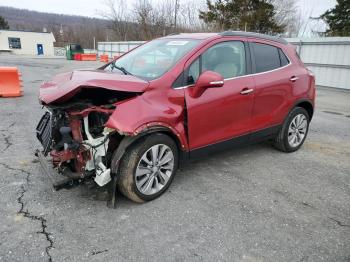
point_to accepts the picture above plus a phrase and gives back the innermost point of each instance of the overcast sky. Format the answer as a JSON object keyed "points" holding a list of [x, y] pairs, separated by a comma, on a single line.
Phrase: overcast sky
{"points": [[89, 7], [308, 8]]}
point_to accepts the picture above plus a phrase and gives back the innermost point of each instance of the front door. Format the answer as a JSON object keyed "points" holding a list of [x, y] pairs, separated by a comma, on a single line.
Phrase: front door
{"points": [[40, 49], [220, 114]]}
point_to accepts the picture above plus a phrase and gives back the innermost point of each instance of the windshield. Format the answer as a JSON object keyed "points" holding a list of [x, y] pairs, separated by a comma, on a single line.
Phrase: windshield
{"points": [[153, 59]]}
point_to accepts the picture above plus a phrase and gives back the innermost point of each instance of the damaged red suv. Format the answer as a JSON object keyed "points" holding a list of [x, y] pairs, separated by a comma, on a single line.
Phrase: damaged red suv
{"points": [[132, 122]]}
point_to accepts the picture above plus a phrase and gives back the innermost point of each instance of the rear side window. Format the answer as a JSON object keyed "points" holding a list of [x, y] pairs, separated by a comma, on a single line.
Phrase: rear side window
{"points": [[268, 57], [283, 58]]}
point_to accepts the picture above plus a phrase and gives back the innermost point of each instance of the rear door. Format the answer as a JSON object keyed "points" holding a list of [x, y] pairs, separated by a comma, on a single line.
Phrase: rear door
{"points": [[273, 84], [223, 113]]}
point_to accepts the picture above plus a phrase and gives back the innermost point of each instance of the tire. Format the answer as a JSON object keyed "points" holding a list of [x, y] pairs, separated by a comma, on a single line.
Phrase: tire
{"points": [[285, 138], [129, 180]]}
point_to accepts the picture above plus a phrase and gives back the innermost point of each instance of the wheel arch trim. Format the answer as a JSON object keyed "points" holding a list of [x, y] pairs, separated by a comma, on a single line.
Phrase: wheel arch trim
{"points": [[307, 104], [144, 131]]}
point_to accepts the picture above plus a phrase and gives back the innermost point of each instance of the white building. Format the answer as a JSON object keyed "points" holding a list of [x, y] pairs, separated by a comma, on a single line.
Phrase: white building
{"points": [[27, 43]]}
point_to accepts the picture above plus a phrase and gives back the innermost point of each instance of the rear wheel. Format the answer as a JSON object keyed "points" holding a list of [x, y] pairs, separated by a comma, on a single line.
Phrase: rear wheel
{"points": [[294, 131], [148, 168]]}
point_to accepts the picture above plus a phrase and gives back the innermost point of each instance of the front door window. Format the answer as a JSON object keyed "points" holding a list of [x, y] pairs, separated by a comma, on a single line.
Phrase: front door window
{"points": [[226, 58]]}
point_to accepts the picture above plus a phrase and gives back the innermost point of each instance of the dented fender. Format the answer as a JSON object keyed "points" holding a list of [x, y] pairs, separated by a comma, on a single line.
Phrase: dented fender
{"points": [[147, 111]]}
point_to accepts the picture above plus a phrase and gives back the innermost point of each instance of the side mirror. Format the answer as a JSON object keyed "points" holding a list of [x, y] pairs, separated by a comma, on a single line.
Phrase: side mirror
{"points": [[207, 79]]}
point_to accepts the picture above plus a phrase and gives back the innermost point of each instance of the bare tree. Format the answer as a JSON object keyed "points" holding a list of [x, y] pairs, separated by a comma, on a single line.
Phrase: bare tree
{"points": [[119, 14], [143, 11], [155, 18], [189, 15], [307, 26], [148, 19], [287, 14]]}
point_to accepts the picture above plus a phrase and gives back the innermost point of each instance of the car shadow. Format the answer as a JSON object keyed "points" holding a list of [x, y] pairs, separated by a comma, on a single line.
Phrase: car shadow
{"points": [[94, 193]]}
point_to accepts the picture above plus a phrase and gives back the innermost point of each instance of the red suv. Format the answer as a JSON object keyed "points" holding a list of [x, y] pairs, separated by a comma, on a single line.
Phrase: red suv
{"points": [[133, 121]]}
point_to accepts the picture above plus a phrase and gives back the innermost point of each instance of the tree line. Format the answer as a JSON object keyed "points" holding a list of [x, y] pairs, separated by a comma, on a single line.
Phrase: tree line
{"points": [[148, 19], [154, 18]]}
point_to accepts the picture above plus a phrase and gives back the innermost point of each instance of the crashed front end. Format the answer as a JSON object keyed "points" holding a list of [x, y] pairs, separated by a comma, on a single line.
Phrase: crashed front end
{"points": [[73, 130], [77, 141]]}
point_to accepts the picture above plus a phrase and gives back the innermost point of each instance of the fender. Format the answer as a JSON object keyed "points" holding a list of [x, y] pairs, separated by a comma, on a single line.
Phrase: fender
{"points": [[178, 133], [148, 112], [127, 141], [144, 131], [307, 104]]}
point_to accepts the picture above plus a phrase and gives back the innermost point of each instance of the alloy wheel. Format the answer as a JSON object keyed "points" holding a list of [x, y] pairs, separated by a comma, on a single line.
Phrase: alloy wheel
{"points": [[297, 130], [154, 169]]}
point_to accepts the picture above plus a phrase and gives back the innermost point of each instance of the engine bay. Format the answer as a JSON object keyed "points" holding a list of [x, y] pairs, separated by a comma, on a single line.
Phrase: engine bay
{"points": [[74, 135]]}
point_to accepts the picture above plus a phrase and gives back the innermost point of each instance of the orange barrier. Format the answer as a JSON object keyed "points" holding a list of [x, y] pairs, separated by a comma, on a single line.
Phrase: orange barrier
{"points": [[10, 82], [104, 58], [77, 57], [88, 57]]}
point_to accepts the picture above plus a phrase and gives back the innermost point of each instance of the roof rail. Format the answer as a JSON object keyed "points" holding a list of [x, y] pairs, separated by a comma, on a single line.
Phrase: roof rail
{"points": [[257, 35], [173, 34]]}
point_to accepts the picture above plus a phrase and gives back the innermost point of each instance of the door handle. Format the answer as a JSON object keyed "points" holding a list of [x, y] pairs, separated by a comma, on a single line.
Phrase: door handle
{"points": [[246, 91], [293, 78]]}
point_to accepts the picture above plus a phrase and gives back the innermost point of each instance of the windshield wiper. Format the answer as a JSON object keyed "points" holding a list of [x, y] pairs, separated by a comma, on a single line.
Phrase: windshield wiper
{"points": [[120, 68]]}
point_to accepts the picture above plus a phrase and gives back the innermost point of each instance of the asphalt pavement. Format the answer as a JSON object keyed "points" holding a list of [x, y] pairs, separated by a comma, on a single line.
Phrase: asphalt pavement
{"points": [[247, 204]]}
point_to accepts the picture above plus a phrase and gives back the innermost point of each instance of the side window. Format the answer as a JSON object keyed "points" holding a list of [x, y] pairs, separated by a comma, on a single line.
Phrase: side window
{"points": [[194, 71], [283, 58], [226, 58], [266, 57]]}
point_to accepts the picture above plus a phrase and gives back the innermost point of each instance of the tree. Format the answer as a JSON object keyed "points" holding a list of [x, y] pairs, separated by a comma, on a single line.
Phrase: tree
{"points": [[246, 15], [338, 19], [3, 23], [188, 15], [119, 15], [156, 18], [288, 14]]}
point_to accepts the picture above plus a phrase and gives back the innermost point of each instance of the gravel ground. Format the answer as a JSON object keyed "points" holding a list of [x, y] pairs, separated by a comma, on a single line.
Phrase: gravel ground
{"points": [[248, 204]]}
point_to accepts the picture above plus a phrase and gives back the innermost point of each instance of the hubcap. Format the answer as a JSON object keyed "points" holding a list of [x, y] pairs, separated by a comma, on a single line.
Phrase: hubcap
{"points": [[297, 130], [154, 169]]}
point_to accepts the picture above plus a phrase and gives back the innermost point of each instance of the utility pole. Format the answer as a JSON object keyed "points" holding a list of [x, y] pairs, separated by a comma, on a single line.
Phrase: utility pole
{"points": [[176, 9]]}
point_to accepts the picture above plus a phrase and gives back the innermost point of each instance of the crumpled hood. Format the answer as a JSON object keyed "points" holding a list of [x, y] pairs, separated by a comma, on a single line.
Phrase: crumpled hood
{"points": [[64, 86]]}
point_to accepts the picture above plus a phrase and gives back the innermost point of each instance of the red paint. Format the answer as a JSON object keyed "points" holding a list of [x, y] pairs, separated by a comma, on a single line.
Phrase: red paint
{"points": [[208, 79], [220, 113], [64, 86], [213, 114], [87, 111], [82, 155]]}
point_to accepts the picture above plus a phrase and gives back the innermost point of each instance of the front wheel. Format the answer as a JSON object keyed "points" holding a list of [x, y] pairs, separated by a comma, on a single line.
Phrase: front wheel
{"points": [[294, 131], [148, 168]]}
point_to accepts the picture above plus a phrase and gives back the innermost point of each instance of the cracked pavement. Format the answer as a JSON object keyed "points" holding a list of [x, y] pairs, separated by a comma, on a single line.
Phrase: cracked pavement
{"points": [[247, 204]]}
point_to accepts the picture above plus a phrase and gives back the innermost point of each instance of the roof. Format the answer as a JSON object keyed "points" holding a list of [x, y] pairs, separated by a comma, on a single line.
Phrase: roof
{"points": [[320, 40], [26, 31], [200, 36], [255, 35], [19, 33], [229, 33]]}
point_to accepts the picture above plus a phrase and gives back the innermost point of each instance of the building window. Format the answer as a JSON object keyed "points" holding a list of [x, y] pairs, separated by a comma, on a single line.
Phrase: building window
{"points": [[14, 43]]}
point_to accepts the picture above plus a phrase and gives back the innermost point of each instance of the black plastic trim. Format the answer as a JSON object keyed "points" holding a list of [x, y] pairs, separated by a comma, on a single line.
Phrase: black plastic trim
{"points": [[255, 35], [247, 139], [248, 58]]}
